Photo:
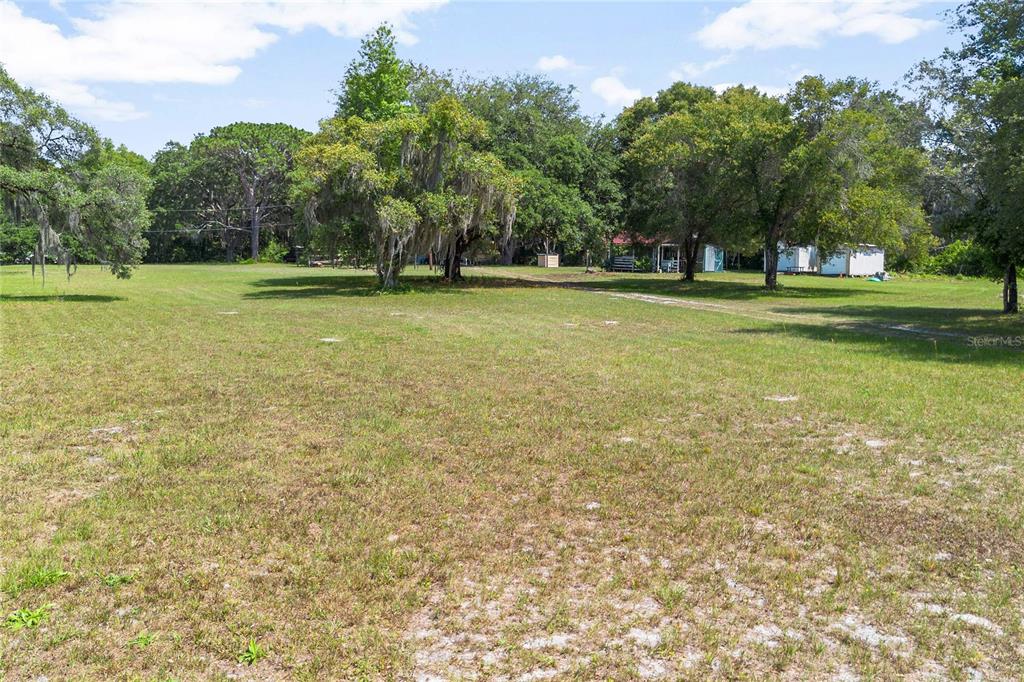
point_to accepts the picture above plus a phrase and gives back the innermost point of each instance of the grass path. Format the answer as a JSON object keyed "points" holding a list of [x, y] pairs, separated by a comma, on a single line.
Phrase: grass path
{"points": [[760, 313], [847, 323]]}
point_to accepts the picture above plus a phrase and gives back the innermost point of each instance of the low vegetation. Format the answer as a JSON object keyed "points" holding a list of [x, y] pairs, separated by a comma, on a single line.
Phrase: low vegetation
{"points": [[271, 472]]}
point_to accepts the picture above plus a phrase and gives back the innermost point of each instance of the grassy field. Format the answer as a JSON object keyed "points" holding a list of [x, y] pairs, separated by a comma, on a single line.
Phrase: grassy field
{"points": [[269, 472]]}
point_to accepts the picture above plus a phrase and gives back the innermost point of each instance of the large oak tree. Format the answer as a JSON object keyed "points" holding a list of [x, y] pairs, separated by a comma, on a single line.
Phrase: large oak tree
{"points": [[419, 182], [686, 182], [822, 167], [83, 197]]}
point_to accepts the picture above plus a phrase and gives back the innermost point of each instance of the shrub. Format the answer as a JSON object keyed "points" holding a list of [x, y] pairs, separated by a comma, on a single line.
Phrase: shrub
{"points": [[273, 252], [16, 241], [915, 255], [962, 258]]}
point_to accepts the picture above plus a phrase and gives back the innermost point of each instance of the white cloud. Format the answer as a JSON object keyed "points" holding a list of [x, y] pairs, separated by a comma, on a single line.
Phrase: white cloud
{"points": [[613, 91], [763, 24], [790, 76], [556, 63], [79, 97], [691, 70], [180, 42]]}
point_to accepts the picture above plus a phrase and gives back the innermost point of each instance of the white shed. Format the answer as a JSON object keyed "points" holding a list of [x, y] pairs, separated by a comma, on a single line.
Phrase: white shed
{"points": [[797, 258], [862, 260], [714, 258]]}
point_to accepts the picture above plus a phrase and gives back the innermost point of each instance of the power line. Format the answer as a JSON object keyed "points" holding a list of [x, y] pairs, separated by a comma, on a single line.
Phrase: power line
{"points": [[217, 210], [216, 227], [204, 228]]}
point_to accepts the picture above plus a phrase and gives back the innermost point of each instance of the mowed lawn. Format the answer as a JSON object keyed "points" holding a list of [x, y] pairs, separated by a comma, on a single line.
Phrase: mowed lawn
{"points": [[532, 475]]}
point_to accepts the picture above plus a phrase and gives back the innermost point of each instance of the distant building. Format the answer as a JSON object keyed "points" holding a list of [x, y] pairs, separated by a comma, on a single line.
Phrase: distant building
{"points": [[862, 260], [714, 258], [666, 256], [796, 259]]}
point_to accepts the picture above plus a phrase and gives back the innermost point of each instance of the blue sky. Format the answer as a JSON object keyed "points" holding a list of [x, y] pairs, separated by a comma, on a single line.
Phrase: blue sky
{"points": [[146, 73]]}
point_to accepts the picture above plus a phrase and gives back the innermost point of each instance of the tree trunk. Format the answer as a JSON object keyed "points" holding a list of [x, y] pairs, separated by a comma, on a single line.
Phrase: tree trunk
{"points": [[229, 246], [390, 259], [771, 262], [254, 217], [692, 246], [453, 261], [508, 251], [1010, 300]]}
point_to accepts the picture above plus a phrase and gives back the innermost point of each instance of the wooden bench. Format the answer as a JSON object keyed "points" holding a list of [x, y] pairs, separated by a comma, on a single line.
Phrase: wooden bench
{"points": [[623, 264]]}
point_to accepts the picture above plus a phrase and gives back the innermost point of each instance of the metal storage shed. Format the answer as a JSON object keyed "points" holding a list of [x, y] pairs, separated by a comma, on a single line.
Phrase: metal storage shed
{"points": [[714, 258], [797, 258], [862, 260]]}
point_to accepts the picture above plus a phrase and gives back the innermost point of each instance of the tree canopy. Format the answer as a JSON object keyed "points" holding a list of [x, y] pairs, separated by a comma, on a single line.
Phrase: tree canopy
{"points": [[975, 96], [376, 84], [255, 159], [232, 181], [686, 185], [821, 168], [81, 196], [565, 162], [415, 180]]}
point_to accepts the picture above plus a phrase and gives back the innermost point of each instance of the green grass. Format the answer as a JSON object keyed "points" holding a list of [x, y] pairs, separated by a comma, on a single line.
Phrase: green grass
{"points": [[24, 618], [30, 574], [493, 478], [142, 640], [113, 580], [252, 653]]}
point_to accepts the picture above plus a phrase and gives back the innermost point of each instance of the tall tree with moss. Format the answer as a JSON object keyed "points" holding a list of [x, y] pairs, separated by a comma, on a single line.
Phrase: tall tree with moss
{"points": [[418, 182], [565, 160], [375, 89], [83, 197]]}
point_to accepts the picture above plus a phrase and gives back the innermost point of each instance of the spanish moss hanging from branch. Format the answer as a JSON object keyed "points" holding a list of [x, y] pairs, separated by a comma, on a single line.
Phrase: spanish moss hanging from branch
{"points": [[418, 181]]}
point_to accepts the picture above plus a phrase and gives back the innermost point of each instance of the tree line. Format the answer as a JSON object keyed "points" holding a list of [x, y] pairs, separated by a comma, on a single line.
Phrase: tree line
{"points": [[417, 163]]}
